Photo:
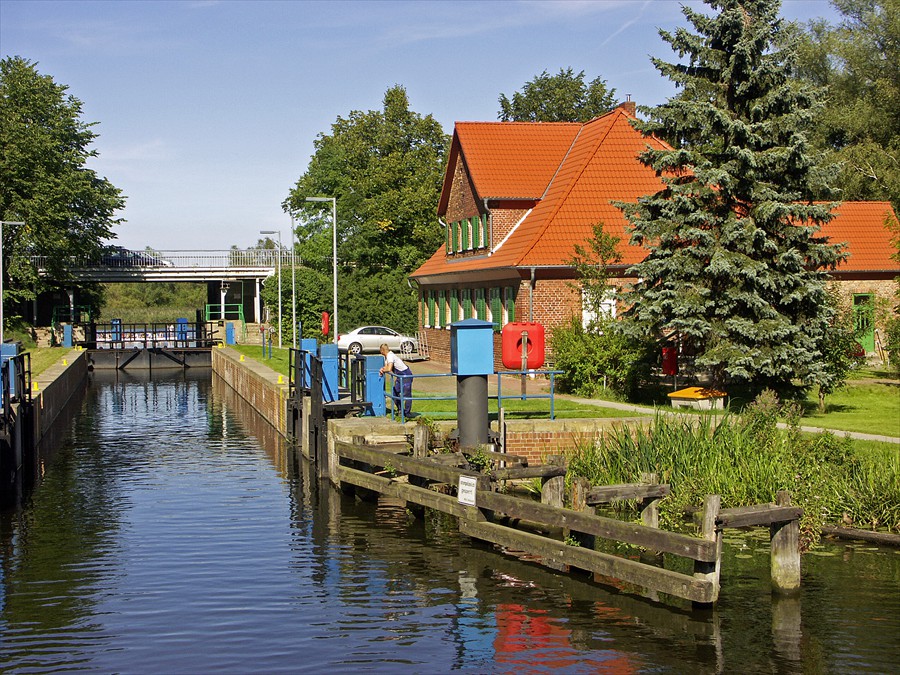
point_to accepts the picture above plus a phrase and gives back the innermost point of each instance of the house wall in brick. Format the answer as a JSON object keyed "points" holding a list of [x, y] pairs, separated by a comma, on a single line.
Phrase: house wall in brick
{"points": [[502, 222], [462, 202]]}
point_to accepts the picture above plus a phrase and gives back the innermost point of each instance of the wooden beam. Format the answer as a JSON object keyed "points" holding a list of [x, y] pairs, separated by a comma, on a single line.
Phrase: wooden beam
{"points": [[603, 494], [758, 514], [410, 493], [514, 473], [605, 528], [502, 457], [424, 468], [558, 553]]}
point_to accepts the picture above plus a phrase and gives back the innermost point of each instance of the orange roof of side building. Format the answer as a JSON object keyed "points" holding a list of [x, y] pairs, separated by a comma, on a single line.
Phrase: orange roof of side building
{"points": [[863, 226], [575, 173]]}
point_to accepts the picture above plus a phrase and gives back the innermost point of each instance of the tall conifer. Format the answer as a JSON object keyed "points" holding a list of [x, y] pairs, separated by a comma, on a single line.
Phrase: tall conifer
{"points": [[735, 263]]}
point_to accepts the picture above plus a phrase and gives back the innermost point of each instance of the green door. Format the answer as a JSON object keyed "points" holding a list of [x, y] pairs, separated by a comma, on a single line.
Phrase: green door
{"points": [[864, 316]]}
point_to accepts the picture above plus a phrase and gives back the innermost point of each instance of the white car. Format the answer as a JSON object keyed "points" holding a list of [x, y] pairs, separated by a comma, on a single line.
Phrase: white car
{"points": [[370, 339]]}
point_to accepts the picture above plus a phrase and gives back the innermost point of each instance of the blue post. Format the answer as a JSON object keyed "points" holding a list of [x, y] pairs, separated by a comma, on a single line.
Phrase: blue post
{"points": [[67, 335], [116, 330], [310, 346], [329, 355], [472, 360], [229, 333], [375, 385], [181, 331], [7, 351]]}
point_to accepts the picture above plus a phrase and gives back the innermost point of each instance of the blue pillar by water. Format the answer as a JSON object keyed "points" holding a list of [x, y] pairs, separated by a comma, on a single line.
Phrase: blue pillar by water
{"points": [[7, 351], [375, 385], [311, 347], [329, 355]]}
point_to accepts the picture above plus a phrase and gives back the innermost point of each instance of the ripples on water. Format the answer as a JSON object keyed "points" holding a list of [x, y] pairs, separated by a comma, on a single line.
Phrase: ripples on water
{"points": [[172, 533]]}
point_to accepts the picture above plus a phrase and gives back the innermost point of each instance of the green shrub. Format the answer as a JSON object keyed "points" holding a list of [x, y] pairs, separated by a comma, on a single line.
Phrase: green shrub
{"points": [[594, 359]]}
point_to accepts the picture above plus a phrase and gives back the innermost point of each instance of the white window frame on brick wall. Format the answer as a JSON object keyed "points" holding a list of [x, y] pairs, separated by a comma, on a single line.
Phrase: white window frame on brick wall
{"points": [[607, 308]]}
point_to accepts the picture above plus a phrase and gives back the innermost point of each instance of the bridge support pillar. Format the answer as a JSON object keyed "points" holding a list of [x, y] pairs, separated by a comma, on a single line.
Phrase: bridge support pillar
{"points": [[256, 307]]}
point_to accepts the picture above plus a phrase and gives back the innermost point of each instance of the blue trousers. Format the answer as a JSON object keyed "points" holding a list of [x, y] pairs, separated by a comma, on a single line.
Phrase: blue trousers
{"points": [[403, 380]]}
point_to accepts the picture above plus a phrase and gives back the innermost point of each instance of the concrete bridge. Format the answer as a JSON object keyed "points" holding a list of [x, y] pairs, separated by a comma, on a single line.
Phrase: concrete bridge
{"points": [[233, 277]]}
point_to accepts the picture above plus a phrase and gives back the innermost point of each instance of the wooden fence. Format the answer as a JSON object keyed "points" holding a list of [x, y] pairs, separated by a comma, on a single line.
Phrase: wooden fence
{"points": [[563, 538]]}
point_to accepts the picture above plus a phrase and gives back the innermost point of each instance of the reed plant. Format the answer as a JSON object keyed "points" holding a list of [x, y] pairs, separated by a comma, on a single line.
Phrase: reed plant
{"points": [[746, 459]]}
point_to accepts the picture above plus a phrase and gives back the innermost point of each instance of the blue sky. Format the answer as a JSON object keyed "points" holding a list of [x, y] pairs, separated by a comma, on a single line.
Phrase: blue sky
{"points": [[207, 110]]}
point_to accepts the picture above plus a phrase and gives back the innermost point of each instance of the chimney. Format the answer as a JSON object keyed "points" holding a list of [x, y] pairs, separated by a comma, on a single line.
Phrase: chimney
{"points": [[628, 106]]}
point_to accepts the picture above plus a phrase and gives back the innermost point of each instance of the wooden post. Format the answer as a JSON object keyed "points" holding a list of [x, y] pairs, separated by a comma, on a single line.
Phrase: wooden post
{"points": [[785, 550], [708, 530], [580, 488], [421, 441], [553, 490], [650, 506], [333, 461]]}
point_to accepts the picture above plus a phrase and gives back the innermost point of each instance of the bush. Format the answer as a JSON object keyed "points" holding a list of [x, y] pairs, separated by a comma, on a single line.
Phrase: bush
{"points": [[592, 360], [892, 341]]}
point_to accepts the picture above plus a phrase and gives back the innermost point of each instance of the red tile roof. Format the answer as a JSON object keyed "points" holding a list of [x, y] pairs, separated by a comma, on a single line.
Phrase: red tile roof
{"points": [[578, 172], [510, 159], [863, 225]]}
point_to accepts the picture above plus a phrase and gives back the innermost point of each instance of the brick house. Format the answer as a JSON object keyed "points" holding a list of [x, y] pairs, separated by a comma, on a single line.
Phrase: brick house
{"points": [[518, 196]]}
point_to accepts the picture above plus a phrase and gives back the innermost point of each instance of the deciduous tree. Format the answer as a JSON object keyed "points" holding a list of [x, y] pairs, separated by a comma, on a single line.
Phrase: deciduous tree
{"points": [[564, 97], [67, 209], [858, 61], [385, 167]]}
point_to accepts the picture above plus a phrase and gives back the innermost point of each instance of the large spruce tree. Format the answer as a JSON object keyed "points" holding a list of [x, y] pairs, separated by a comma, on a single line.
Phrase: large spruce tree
{"points": [[735, 263]]}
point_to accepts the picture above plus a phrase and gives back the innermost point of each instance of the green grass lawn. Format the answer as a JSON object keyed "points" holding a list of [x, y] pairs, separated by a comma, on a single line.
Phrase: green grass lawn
{"points": [[278, 362], [869, 403], [44, 357], [863, 405], [518, 409]]}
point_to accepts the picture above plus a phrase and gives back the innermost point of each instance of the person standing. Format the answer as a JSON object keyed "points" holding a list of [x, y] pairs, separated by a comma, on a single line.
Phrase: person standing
{"points": [[402, 378]]}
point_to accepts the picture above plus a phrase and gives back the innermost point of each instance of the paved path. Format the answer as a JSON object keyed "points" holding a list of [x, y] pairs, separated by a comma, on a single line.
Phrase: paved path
{"points": [[447, 385]]}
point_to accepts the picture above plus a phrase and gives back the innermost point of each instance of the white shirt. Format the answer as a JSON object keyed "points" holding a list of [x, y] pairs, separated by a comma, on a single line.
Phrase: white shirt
{"points": [[395, 363]]}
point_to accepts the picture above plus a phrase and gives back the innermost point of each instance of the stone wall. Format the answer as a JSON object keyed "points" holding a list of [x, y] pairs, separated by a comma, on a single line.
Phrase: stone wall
{"points": [[264, 389], [53, 388], [538, 439]]}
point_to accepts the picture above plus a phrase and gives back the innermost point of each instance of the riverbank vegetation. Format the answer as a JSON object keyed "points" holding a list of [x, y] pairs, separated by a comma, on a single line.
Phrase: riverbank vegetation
{"points": [[152, 302], [746, 459]]}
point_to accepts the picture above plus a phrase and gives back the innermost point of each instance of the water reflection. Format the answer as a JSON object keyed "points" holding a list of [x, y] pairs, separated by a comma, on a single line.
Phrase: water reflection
{"points": [[174, 531]]}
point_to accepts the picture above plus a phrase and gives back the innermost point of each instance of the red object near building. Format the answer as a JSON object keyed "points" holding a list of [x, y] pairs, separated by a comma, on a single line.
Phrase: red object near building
{"points": [[514, 342], [669, 361], [326, 323]]}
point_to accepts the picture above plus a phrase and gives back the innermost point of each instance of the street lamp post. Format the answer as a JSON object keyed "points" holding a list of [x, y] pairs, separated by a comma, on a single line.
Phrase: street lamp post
{"points": [[278, 269], [293, 284], [333, 201], [2, 223]]}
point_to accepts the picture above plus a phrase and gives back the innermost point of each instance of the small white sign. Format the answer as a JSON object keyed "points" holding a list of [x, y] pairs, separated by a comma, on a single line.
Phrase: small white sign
{"points": [[466, 491]]}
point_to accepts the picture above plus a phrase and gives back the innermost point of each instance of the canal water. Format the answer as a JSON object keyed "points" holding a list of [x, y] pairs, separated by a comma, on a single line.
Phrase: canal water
{"points": [[174, 533]]}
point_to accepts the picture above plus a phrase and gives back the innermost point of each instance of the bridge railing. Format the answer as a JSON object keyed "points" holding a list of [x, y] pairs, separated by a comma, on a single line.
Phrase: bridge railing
{"points": [[264, 258]]}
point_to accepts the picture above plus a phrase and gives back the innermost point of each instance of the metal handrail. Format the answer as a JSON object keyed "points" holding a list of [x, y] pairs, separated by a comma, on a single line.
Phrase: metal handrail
{"points": [[150, 335], [262, 258], [499, 397]]}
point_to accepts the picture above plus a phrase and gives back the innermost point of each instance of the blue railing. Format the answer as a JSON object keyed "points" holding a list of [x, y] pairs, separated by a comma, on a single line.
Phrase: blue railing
{"points": [[522, 396], [398, 406]]}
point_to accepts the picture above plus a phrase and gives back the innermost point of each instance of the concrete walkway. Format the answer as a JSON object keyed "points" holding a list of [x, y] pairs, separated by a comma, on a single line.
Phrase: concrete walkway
{"points": [[512, 384]]}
